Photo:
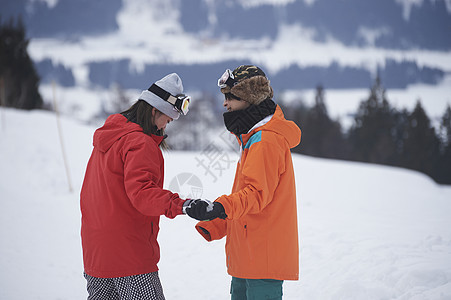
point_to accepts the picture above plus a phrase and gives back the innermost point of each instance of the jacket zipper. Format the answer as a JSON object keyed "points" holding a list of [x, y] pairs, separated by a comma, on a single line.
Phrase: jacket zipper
{"points": [[247, 242]]}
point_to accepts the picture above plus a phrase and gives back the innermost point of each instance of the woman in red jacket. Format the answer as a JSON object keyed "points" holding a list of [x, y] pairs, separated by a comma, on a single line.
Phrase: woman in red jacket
{"points": [[122, 197]]}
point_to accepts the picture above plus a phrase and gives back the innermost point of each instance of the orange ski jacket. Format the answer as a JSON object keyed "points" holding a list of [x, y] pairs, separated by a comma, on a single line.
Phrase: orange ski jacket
{"points": [[121, 201], [261, 227]]}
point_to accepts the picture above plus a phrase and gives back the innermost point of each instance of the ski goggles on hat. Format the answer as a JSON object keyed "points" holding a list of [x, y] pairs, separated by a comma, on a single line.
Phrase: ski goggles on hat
{"points": [[227, 79], [180, 101]]}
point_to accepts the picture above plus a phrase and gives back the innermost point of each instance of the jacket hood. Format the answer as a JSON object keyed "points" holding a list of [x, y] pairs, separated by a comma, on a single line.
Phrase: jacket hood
{"points": [[278, 124], [116, 126]]}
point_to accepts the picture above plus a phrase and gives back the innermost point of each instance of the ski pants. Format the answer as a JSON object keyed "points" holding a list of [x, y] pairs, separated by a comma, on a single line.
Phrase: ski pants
{"points": [[136, 287], [256, 289]]}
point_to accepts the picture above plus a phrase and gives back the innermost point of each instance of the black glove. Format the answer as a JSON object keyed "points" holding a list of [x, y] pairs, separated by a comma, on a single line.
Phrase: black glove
{"points": [[204, 210], [188, 203]]}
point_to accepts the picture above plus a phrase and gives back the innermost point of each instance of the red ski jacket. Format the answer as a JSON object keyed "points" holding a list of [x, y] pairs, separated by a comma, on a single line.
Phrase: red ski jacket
{"points": [[121, 201]]}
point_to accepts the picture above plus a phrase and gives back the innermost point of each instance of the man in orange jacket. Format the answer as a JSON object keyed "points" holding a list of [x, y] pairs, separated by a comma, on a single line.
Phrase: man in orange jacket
{"points": [[259, 217]]}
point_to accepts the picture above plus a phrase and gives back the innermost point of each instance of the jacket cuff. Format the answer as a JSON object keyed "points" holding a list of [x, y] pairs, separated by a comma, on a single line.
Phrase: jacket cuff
{"points": [[225, 205], [179, 205], [204, 232]]}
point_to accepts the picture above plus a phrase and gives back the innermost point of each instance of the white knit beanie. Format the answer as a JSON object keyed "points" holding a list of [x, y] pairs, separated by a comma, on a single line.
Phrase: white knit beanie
{"points": [[173, 85]]}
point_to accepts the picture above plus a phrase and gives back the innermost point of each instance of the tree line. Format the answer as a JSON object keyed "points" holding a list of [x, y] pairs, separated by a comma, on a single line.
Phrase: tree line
{"points": [[19, 81], [380, 134]]}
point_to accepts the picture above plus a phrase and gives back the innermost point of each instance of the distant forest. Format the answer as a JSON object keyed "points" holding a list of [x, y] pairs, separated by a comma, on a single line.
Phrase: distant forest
{"points": [[380, 134]]}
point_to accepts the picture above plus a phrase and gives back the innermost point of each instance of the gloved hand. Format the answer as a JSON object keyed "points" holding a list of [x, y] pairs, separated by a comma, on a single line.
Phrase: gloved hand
{"points": [[189, 202], [204, 210]]}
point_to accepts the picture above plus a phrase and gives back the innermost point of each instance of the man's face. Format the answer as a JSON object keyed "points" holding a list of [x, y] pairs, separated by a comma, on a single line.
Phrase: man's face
{"points": [[232, 104]]}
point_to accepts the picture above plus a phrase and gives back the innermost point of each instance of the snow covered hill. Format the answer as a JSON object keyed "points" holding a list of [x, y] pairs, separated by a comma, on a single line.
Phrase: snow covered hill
{"points": [[87, 46], [366, 231], [288, 38]]}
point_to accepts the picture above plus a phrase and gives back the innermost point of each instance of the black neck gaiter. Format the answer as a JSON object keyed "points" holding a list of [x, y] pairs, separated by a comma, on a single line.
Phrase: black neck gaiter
{"points": [[241, 121]]}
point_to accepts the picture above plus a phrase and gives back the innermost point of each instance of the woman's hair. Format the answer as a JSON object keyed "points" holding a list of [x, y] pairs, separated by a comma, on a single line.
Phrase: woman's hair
{"points": [[141, 114]]}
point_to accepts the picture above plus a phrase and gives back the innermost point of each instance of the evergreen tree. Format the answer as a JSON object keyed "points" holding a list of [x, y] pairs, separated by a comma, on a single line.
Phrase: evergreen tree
{"points": [[17, 73], [444, 173], [322, 136], [421, 144], [399, 134], [445, 128], [373, 135]]}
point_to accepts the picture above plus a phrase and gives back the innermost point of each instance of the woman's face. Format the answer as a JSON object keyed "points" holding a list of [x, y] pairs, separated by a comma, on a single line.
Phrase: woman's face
{"points": [[160, 119]]}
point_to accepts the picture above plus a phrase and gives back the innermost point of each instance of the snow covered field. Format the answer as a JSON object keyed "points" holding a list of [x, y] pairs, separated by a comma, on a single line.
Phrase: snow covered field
{"points": [[366, 231]]}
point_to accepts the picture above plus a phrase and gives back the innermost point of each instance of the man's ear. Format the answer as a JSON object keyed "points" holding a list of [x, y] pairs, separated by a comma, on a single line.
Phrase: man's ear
{"points": [[154, 111]]}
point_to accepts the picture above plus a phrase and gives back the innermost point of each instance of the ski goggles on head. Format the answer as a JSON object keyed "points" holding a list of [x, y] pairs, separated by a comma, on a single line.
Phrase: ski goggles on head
{"points": [[180, 101], [227, 79]]}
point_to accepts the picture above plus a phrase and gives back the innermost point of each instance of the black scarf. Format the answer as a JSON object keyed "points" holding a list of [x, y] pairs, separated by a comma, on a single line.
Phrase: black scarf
{"points": [[241, 121]]}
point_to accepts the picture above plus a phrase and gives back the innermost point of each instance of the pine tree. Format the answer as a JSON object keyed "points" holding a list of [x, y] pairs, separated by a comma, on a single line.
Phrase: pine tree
{"points": [[444, 171], [421, 144], [399, 134], [372, 137], [17, 73], [445, 128], [321, 136]]}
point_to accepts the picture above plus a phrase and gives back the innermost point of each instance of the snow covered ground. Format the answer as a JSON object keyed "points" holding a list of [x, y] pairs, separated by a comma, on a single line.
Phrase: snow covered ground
{"points": [[366, 231]]}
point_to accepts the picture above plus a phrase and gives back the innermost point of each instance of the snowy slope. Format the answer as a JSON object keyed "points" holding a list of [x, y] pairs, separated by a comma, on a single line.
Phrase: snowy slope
{"points": [[366, 231]]}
